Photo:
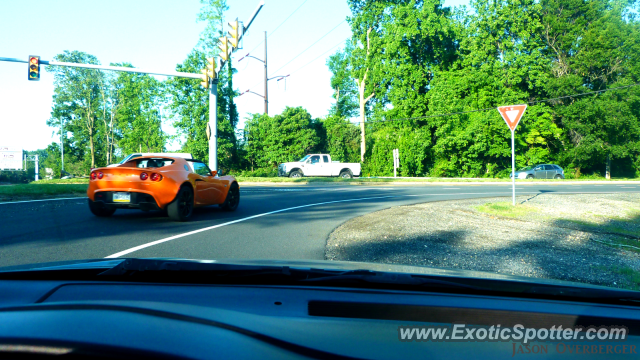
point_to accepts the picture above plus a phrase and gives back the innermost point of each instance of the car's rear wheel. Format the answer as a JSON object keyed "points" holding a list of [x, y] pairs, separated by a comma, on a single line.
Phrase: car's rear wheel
{"points": [[529, 176], [100, 211], [346, 174], [182, 207], [295, 174], [233, 198], [558, 177]]}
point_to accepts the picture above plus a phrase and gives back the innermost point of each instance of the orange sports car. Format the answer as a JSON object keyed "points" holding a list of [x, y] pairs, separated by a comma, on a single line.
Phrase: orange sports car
{"points": [[174, 184]]}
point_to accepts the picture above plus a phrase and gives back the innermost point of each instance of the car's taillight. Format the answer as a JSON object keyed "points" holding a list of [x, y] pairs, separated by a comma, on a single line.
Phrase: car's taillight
{"points": [[156, 177], [100, 175], [144, 176], [93, 175]]}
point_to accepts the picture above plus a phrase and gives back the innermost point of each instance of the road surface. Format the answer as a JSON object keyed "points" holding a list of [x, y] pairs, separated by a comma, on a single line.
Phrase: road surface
{"points": [[272, 222]]}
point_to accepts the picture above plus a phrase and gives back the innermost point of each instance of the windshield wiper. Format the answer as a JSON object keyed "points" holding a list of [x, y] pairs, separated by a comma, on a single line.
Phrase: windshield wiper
{"points": [[184, 271], [218, 273], [180, 271]]}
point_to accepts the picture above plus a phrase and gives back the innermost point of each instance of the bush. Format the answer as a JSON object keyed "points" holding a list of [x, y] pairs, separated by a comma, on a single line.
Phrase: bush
{"points": [[261, 172], [14, 177]]}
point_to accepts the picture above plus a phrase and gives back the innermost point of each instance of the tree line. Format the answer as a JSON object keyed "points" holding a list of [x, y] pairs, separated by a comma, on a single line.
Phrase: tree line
{"points": [[415, 75]]}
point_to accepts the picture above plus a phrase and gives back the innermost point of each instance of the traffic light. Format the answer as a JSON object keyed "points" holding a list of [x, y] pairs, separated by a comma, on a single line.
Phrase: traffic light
{"points": [[234, 33], [211, 67], [205, 79], [224, 48], [34, 68], [209, 72]]}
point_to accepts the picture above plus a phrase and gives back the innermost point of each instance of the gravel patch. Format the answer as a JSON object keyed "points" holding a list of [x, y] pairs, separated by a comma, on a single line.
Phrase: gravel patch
{"points": [[564, 237]]}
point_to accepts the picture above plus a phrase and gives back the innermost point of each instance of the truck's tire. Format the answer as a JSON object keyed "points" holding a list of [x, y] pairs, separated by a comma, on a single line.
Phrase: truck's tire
{"points": [[346, 174], [233, 198], [295, 174], [181, 208], [100, 211]]}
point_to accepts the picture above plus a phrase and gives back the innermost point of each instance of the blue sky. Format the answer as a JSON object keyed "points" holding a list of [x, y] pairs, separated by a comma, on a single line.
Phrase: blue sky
{"points": [[159, 34]]}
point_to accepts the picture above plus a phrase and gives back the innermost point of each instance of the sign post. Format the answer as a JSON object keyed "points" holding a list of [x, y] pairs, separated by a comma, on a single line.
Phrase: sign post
{"points": [[512, 115], [396, 161]]}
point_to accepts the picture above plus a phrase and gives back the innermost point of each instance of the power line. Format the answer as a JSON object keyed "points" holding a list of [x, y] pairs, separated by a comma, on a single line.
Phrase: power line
{"points": [[310, 46], [277, 27], [300, 68], [333, 47], [494, 108]]}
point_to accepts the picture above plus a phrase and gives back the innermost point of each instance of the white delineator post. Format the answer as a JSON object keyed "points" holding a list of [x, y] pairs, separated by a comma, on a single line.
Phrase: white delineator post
{"points": [[512, 115]]}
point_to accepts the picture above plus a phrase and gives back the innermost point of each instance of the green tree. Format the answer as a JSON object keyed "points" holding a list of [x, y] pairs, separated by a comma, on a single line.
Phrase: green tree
{"points": [[343, 85], [77, 100], [140, 99], [342, 139], [282, 138]]}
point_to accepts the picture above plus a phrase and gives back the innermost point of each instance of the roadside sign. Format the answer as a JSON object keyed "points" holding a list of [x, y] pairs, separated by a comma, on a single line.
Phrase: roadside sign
{"points": [[10, 158], [512, 115]]}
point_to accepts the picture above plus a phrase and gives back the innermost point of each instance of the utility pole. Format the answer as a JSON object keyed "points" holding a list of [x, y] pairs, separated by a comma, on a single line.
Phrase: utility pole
{"points": [[266, 90], [62, 143]]}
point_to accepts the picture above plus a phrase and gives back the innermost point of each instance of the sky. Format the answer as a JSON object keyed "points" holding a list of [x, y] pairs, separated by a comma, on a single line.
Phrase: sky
{"points": [[158, 34]]}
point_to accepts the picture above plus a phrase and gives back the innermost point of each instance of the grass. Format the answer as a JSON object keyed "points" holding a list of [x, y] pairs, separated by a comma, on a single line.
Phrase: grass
{"points": [[366, 180], [632, 276], [506, 209], [40, 191], [62, 181]]}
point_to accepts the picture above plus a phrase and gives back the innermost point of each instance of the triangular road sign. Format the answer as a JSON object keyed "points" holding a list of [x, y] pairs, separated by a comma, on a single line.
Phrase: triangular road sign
{"points": [[512, 114]]}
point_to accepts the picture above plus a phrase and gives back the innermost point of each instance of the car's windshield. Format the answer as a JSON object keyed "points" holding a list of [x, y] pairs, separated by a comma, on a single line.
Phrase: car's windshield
{"points": [[153, 163], [410, 120]]}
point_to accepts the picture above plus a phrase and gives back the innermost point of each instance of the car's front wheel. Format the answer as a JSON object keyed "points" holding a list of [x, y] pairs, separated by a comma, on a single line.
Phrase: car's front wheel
{"points": [[233, 198], [182, 207], [558, 177], [100, 211], [295, 174], [529, 176]]}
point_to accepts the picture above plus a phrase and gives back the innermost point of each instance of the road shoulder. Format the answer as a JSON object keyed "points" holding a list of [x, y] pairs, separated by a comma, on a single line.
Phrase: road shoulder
{"points": [[590, 238]]}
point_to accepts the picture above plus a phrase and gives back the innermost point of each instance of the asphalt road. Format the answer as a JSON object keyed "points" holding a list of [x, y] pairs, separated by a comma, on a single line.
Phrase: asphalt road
{"points": [[272, 222]]}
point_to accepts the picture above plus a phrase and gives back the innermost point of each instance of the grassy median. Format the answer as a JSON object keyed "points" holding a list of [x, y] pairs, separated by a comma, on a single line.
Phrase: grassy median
{"points": [[35, 191]]}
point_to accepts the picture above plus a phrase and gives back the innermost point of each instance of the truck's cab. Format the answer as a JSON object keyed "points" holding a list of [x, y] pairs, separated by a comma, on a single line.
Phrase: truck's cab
{"points": [[318, 165]]}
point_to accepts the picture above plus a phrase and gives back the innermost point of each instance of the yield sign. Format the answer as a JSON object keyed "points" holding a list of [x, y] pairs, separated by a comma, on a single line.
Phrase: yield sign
{"points": [[512, 114]]}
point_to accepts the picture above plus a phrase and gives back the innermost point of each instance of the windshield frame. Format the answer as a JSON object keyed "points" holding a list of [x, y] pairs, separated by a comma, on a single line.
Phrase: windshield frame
{"points": [[304, 158]]}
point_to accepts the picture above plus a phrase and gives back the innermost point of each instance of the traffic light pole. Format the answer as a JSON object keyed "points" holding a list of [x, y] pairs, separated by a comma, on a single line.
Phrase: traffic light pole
{"points": [[213, 124]]}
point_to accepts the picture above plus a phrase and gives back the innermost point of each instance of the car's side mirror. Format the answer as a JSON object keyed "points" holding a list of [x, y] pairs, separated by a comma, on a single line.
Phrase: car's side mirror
{"points": [[220, 172], [214, 173]]}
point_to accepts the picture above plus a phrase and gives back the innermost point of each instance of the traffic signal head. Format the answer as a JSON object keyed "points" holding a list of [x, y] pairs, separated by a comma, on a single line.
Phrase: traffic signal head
{"points": [[234, 34], [205, 79], [211, 67], [224, 48], [34, 68]]}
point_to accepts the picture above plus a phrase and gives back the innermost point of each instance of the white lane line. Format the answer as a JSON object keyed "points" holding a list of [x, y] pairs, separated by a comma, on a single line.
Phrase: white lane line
{"points": [[28, 201], [140, 247], [143, 246], [450, 188]]}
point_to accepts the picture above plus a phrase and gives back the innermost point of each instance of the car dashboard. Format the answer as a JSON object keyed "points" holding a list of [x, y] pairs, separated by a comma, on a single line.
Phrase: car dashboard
{"points": [[147, 320]]}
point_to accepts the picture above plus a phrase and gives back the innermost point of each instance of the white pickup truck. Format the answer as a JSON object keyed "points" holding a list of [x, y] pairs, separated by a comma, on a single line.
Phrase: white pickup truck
{"points": [[319, 165]]}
